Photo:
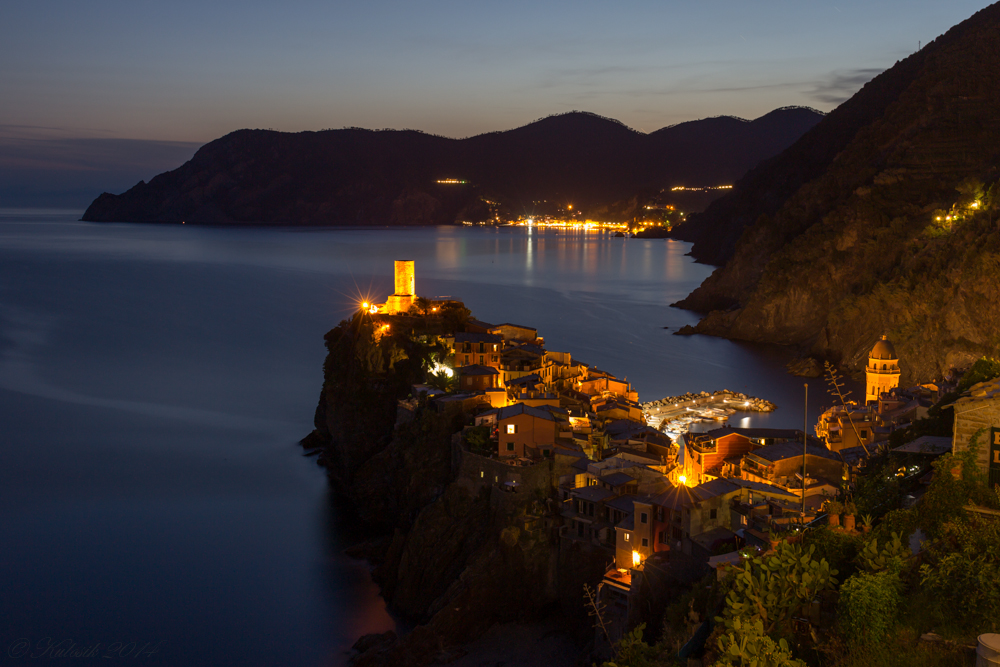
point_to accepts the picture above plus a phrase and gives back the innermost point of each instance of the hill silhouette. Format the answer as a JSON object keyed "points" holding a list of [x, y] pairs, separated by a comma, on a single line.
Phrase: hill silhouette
{"points": [[366, 177], [880, 219]]}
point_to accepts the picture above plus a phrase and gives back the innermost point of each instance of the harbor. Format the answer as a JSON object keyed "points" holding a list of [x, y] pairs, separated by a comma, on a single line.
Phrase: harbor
{"points": [[675, 415]]}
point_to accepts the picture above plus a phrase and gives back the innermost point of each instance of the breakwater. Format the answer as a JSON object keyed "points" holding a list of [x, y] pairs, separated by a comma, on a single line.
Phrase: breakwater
{"points": [[676, 414]]}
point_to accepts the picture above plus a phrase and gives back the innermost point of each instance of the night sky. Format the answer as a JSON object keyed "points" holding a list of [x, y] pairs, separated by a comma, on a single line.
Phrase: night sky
{"points": [[78, 78]]}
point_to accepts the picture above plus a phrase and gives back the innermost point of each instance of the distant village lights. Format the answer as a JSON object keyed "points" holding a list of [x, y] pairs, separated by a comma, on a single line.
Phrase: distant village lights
{"points": [[681, 188]]}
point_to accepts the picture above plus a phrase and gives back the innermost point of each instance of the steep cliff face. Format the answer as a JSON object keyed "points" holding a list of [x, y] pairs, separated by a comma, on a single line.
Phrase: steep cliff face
{"points": [[882, 219], [453, 559]]}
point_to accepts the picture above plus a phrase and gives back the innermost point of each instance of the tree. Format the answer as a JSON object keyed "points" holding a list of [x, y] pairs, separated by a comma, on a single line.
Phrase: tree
{"points": [[478, 439]]}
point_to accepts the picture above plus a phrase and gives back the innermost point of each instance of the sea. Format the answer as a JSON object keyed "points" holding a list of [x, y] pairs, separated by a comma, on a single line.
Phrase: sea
{"points": [[155, 380]]}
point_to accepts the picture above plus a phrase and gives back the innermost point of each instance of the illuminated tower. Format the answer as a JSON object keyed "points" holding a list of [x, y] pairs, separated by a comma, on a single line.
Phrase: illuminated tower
{"points": [[882, 371], [404, 277], [405, 295]]}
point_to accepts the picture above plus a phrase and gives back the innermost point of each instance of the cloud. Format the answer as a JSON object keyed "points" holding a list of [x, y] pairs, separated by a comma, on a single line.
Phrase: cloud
{"points": [[840, 85]]}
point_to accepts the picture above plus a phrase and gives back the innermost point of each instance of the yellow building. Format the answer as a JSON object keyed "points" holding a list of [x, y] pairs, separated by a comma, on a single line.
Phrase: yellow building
{"points": [[405, 294], [882, 371]]}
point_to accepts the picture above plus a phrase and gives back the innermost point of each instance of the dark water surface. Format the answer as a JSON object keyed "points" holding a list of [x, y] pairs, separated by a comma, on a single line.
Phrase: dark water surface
{"points": [[154, 382]]}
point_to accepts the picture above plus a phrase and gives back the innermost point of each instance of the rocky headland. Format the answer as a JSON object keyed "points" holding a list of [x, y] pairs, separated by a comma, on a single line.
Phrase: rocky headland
{"points": [[453, 557], [882, 219], [354, 176]]}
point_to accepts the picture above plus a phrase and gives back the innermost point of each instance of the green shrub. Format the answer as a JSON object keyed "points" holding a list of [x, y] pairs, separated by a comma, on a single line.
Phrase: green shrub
{"points": [[962, 573], [478, 439], [838, 547], [869, 602], [890, 558], [772, 588], [746, 645], [984, 369]]}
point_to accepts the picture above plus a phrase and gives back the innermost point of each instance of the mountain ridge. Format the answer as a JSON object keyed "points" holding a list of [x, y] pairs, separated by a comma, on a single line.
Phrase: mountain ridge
{"points": [[357, 176], [841, 238]]}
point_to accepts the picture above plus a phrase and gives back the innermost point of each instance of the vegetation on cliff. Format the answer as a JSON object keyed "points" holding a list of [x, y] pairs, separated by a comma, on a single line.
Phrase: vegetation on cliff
{"points": [[882, 219]]}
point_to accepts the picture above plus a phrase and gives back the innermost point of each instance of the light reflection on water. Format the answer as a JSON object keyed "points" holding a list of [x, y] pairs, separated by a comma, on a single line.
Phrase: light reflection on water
{"points": [[155, 381]]}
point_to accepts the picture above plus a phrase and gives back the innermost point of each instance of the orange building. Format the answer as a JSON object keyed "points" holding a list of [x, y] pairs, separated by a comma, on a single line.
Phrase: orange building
{"points": [[882, 371], [706, 453], [525, 431], [478, 378], [477, 348]]}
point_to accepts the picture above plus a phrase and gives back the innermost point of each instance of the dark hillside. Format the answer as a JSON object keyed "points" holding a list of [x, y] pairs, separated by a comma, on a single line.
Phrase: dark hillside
{"points": [[364, 177], [881, 219]]}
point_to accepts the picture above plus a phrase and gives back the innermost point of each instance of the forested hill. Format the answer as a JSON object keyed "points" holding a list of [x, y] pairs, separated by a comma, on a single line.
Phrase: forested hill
{"points": [[388, 177], [881, 219]]}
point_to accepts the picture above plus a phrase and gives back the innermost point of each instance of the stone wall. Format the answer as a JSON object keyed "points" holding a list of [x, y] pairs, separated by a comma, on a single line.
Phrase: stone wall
{"points": [[980, 415]]}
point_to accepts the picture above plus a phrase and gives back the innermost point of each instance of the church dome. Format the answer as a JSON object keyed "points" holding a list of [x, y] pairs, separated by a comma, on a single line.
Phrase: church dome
{"points": [[883, 350]]}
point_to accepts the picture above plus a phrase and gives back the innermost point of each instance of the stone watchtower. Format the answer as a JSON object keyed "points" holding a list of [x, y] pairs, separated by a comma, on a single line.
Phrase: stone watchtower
{"points": [[882, 371], [405, 295]]}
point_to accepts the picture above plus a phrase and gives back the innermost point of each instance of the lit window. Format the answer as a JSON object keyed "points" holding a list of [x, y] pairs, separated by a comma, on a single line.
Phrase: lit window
{"points": [[511, 428], [626, 537], [482, 474]]}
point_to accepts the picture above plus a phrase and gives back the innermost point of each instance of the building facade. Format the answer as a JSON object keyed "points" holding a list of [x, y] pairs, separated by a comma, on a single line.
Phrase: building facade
{"points": [[977, 417], [882, 371]]}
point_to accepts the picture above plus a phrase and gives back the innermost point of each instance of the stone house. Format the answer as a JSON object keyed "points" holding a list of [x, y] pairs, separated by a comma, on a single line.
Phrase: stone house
{"points": [[978, 414]]}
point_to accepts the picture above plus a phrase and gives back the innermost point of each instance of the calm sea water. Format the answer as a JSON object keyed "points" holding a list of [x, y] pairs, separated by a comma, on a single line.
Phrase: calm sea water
{"points": [[154, 382]]}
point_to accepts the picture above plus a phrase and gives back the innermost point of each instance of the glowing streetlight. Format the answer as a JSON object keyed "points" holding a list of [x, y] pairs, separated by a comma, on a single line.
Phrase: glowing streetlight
{"points": [[636, 559], [683, 480]]}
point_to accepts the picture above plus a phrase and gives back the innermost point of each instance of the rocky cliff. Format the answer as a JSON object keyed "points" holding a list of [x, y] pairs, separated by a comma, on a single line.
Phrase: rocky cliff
{"points": [[364, 177], [453, 556], [881, 219]]}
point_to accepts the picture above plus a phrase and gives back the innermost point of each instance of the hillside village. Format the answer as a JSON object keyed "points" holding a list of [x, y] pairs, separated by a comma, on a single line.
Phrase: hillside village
{"points": [[573, 441]]}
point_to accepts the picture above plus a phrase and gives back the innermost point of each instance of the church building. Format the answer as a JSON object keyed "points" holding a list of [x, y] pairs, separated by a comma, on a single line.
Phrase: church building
{"points": [[882, 371]]}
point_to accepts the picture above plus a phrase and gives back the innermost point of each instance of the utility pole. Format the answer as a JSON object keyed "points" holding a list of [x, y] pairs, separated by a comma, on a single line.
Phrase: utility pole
{"points": [[805, 438]]}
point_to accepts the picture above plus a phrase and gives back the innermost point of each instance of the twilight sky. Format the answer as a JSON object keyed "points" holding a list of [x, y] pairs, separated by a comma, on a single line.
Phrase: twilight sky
{"points": [[75, 75]]}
